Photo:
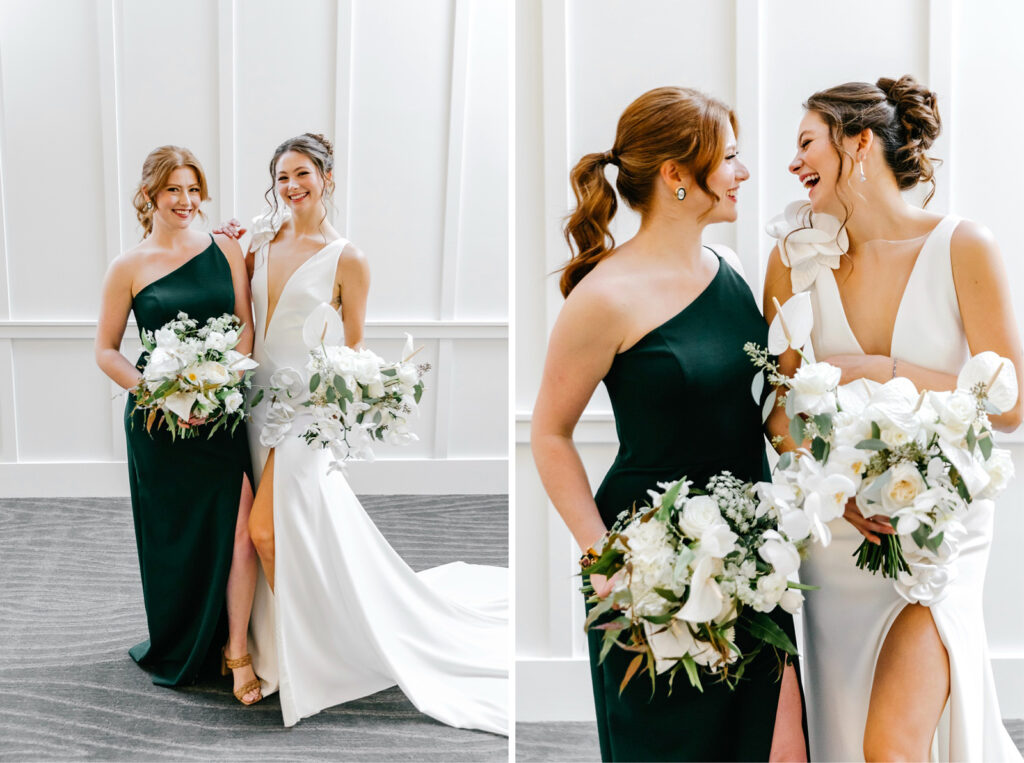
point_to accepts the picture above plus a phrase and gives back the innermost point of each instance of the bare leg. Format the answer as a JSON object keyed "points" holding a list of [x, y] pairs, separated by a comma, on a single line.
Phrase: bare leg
{"points": [[261, 520], [241, 587], [788, 738], [910, 689]]}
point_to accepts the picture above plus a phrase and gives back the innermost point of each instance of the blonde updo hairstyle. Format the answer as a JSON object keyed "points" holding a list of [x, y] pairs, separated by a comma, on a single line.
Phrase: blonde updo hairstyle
{"points": [[319, 150], [903, 115], [156, 169], [667, 123]]}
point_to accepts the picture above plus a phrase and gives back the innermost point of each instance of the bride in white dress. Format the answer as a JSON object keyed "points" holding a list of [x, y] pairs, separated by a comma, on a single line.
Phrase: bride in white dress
{"points": [[347, 617], [915, 296]]}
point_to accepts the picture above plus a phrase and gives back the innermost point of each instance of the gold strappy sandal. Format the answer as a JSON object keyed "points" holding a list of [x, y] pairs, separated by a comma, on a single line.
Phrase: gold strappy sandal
{"points": [[227, 664]]}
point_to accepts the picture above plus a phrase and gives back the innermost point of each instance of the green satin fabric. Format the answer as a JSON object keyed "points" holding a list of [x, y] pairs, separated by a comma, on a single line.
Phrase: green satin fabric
{"points": [[682, 404], [185, 496]]}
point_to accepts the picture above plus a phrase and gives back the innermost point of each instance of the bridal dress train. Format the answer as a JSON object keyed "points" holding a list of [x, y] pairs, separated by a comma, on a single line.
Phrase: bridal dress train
{"points": [[848, 619], [348, 617]]}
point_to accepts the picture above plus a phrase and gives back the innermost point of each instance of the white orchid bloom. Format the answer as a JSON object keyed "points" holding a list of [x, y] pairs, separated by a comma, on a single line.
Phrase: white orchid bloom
{"points": [[779, 553], [705, 598]]}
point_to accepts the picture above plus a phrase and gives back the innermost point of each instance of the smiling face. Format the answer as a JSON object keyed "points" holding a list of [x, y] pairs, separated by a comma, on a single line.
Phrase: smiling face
{"points": [[724, 181], [298, 181], [818, 166], [176, 204]]}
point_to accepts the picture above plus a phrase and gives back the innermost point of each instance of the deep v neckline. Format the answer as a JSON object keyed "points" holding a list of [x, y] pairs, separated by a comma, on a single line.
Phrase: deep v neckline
{"points": [[928, 238], [284, 286]]}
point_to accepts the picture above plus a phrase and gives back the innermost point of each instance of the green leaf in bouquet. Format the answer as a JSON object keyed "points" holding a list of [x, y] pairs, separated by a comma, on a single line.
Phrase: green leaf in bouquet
{"points": [[667, 595], [985, 443], [769, 404], [171, 385], [215, 427], [608, 562], [972, 439], [876, 431], [819, 449], [389, 372], [607, 642], [824, 423], [314, 382], [634, 666], [796, 429], [331, 395], [801, 586], [680, 572], [935, 541], [668, 501], [417, 391], [692, 673], [920, 536], [785, 461], [961, 486], [602, 606], [376, 417], [658, 619], [763, 628], [872, 444]]}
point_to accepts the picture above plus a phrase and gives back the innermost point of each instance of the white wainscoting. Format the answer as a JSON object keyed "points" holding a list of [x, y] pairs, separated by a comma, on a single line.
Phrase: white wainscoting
{"points": [[578, 65], [415, 97]]}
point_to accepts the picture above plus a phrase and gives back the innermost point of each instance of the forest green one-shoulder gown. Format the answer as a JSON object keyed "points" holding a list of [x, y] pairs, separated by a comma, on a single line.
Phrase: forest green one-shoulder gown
{"points": [[682, 404], [185, 496]]}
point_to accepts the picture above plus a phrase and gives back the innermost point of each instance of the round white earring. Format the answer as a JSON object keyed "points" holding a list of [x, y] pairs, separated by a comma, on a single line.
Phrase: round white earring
{"points": [[863, 178], [680, 193]]}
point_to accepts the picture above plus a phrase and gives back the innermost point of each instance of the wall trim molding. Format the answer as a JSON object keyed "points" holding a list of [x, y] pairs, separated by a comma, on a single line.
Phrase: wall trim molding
{"points": [[425, 476]]}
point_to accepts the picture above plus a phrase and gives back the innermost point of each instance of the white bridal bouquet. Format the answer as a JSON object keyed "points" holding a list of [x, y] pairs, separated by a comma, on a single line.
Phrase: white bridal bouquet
{"points": [[353, 397], [918, 458], [194, 372], [691, 568]]}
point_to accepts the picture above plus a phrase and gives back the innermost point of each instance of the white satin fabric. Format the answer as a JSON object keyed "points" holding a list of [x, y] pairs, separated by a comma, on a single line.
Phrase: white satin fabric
{"points": [[847, 620], [348, 616]]}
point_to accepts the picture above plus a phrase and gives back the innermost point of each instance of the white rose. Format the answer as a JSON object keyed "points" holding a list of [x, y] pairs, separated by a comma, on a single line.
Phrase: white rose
{"points": [[1000, 470], [407, 374], [161, 365], [375, 388], [233, 401], [700, 514], [813, 388], [903, 485], [342, 360], [718, 541], [166, 338], [770, 588], [210, 372], [289, 380], [278, 424], [955, 412], [216, 341]]}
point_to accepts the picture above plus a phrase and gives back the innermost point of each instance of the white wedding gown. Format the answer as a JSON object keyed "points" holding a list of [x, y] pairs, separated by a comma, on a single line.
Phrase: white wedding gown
{"points": [[847, 620], [348, 617]]}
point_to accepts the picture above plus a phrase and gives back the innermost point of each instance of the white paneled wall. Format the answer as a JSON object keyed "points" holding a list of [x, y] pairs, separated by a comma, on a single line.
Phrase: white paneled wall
{"points": [[414, 96], [578, 65]]}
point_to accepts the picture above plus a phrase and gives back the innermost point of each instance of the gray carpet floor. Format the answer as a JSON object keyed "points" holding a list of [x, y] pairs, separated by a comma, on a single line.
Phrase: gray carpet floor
{"points": [[571, 742], [71, 605]]}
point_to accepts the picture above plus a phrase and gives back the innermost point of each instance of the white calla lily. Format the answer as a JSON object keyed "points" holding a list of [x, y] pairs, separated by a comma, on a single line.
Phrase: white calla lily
{"points": [[323, 326], [792, 324], [706, 597], [996, 373]]}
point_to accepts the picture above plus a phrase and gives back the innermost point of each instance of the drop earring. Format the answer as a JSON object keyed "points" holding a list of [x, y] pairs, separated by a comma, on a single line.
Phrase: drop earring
{"points": [[680, 193], [863, 178]]}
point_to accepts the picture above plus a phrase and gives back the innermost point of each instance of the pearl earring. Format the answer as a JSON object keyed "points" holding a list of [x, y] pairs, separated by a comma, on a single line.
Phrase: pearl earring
{"points": [[680, 193], [149, 206]]}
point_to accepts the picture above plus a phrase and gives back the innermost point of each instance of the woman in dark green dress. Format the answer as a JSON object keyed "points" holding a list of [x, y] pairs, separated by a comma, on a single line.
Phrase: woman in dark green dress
{"points": [[662, 320], [190, 497]]}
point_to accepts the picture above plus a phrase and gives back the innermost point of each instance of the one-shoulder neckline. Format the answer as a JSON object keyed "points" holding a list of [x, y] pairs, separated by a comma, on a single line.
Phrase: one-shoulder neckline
{"points": [[168, 274], [691, 303]]}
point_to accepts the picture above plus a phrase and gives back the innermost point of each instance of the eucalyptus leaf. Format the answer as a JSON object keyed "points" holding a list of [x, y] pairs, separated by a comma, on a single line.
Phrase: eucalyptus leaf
{"points": [[757, 387], [876, 432], [972, 439], [769, 404], [785, 460], [824, 423], [314, 382], [986, 446], [871, 444], [796, 430]]}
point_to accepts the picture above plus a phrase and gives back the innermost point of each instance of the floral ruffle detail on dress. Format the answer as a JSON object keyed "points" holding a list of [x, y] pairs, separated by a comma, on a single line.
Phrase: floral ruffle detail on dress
{"points": [[266, 225], [807, 242]]}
